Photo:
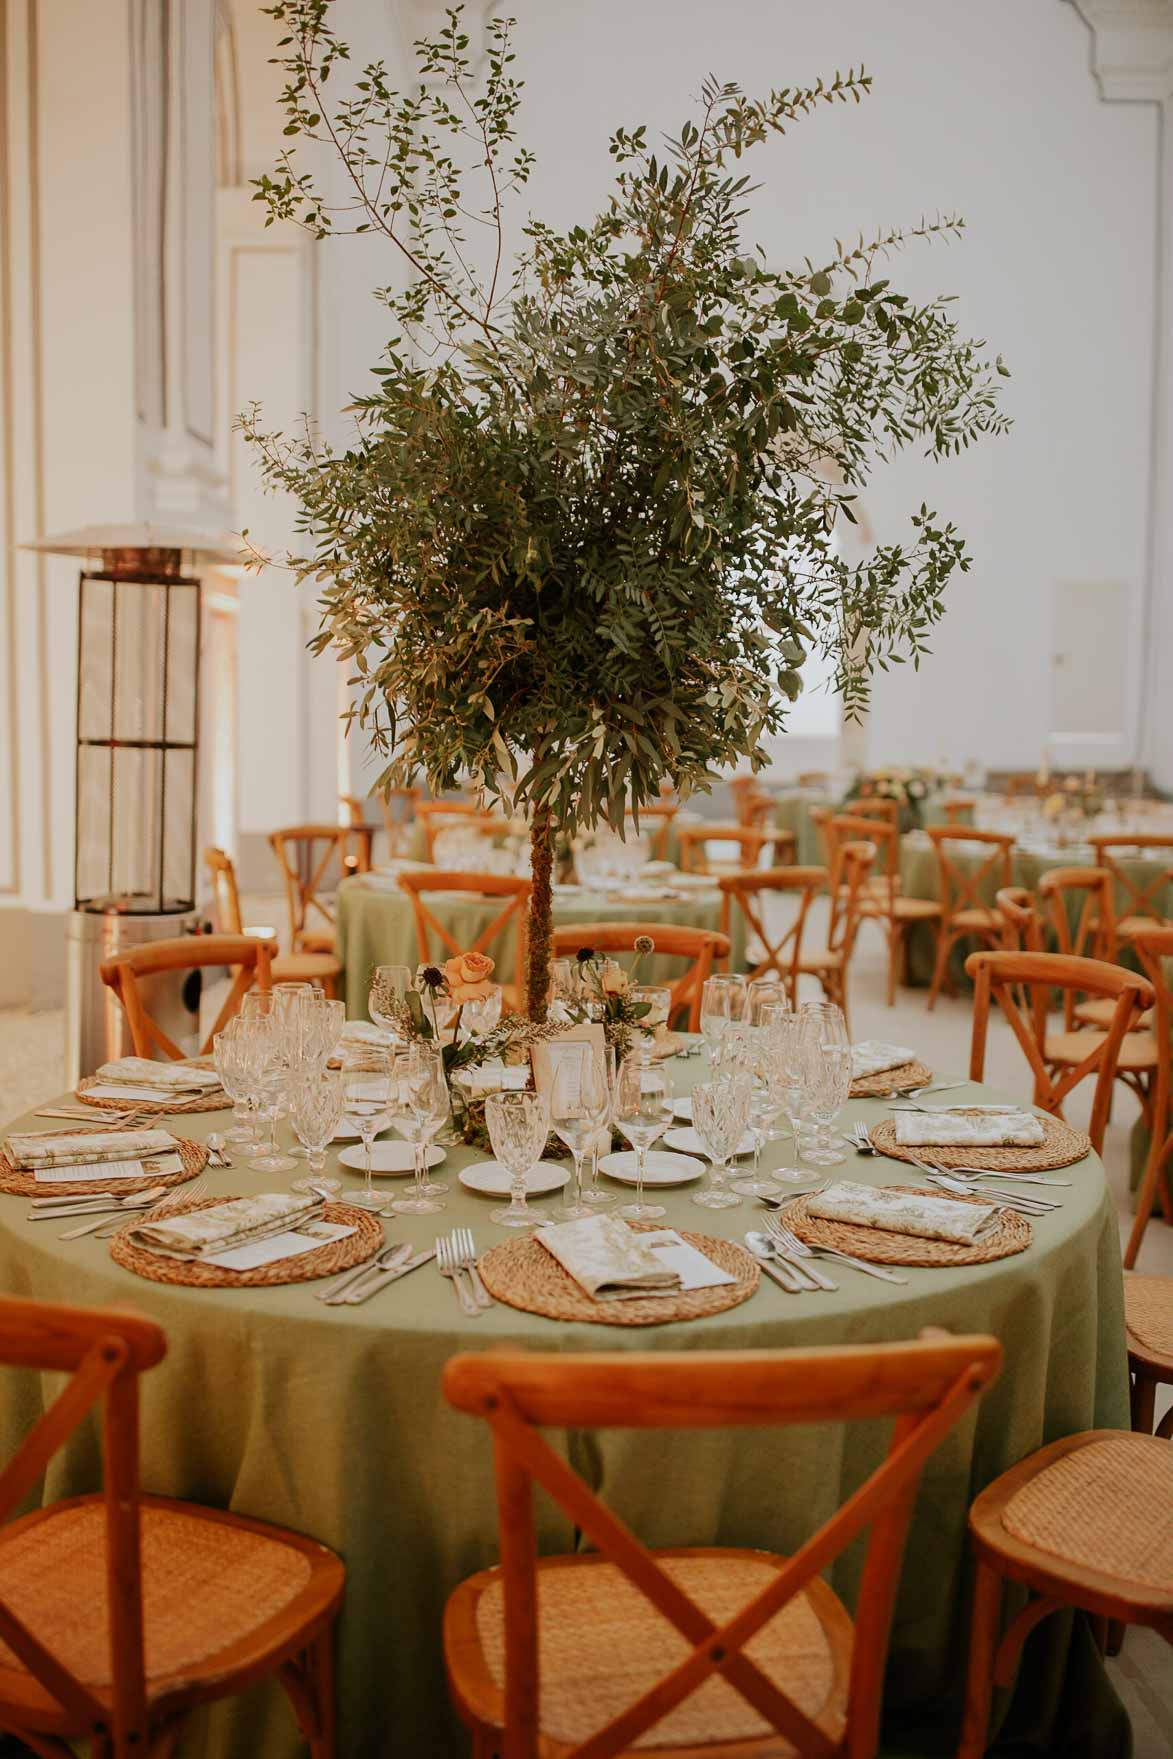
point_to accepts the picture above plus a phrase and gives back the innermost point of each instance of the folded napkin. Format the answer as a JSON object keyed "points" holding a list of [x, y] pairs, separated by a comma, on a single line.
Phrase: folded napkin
{"points": [[226, 1225], [898, 1212], [872, 1057], [171, 1078], [607, 1260], [364, 1032], [642, 895], [44, 1148], [976, 1127]]}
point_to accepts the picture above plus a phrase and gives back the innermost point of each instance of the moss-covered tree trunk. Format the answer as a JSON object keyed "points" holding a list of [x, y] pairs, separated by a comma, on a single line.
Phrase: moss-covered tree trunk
{"points": [[541, 915]]}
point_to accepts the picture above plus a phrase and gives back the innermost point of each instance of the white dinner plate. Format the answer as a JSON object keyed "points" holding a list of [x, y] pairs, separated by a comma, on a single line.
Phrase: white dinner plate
{"points": [[492, 1179], [388, 1159], [661, 1169], [683, 1107], [689, 1142]]}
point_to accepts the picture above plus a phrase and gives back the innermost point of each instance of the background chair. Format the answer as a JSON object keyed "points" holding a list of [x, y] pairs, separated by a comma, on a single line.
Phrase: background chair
{"points": [[701, 946], [125, 973], [816, 1679], [882, 900], [321, 968], [310, 857], [96, 1649], [996, 977], [1148, 1318], [751, 894], [696, 856], [1022, 926], [434, 815], [1153, 946], [874, 807], [655, 821], [486, 885], [850, 867], [959, 812], [1086, 894], [964, 913], [1139, 900], [360, 844]]}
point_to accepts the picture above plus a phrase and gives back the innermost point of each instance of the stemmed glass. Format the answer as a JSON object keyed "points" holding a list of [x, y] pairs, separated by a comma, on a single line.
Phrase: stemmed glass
{"points": [[762, 994], [595, 1194], [578, 1105], [720, 1112], [389, 983], [830, 1085], [765, 1103], [788, 1046], [722, 1002], [518, 1124], [657, 998], [314, 1111], [831, 1030], [271, 1075], [230, 1054], [368, 1078], [643, 1111], [481, 1013], [420, 1106]]}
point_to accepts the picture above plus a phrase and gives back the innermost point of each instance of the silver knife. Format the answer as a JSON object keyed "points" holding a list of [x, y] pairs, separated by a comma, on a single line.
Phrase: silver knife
{"points": [[382, 1274], [392, 1254]]}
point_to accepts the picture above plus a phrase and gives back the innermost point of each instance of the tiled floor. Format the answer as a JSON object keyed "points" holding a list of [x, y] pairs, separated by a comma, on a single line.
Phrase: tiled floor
{"points": [[31, 1066]]}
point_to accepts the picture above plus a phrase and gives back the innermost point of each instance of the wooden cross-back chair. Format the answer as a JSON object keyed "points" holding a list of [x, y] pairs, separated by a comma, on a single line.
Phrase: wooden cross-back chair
{"points": [[92, 1654], [321, 968], [1022, 926], [964, 913], [750, 893], [513, 890], [442, 835], [752, 805], [996, 977], [959, 812], [882, 900], [1153, 946], [851, 865], [250, 958], [435, 815], [814, 779], [655, 820], [1139, 903], [703, 947], [1086, 893], [874, 806], [360, 844], [749, 844], [306, 855], [504, 1628], [820, 817]]}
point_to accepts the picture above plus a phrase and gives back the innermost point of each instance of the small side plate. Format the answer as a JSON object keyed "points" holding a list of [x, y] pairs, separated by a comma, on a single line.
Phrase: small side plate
{"points": [[661, 1169], [492, 1179], [389, 1160]]}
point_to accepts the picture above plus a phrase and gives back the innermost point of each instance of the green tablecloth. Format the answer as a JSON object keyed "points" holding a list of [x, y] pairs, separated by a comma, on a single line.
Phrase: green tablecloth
{"points": [[330, 1420], [793, 813], [376, 927]]}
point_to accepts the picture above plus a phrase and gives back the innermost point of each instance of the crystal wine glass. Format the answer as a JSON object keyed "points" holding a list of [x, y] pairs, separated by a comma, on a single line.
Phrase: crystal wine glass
{"points": [[367, 1087], [315, 1108], [831, 1082], [389, 984], [722, 1001], [765, 1102], [657, 998], [518, 1125], [762, 994], [272, 1076], [789, 1040], [720, 1112], [230, 1055], [420, 1106], [578, 1103], [643, 1111], [595, 1194]]}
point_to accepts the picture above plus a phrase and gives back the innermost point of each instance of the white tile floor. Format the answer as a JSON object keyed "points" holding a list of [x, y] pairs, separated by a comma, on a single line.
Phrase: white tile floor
{"points": [[32, 1063]]}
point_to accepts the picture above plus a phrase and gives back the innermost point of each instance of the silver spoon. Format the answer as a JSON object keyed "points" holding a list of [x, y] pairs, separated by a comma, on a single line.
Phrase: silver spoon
{"points": [[101, 1206], [218, 1149], [776, 1250]]}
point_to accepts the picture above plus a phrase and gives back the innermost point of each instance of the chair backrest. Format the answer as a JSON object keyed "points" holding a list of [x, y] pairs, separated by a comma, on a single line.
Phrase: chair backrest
{"points": [[451, 840], [751, 892], [656, 818], [701, 946], [1020, 782], [820, 817], [400, 807], [1093, 936], [1154, 947], [352, 809], [441, 815], [225, 895], [959, 812], [123, 974], [306, 853], [926, 1386], [814, 779], [514, 890], [874, 806], [752, 806], [998, 976], [103, 1352], [961, 887], [1136, 895], [695, 839], [1022, 926], [851, 864], [854, 827]]}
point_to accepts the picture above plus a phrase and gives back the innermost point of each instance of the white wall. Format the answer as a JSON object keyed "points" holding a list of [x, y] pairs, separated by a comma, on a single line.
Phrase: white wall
{"points": [[985, 109]]}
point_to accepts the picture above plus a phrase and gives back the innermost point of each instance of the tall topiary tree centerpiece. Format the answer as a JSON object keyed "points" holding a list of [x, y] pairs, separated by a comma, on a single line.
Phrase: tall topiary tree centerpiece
{"points": [[585, 532]]}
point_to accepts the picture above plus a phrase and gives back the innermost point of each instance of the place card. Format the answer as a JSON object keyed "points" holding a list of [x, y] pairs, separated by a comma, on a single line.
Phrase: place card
{"points": [[546, 1057], [114, 1090], [288, 1245], [690, 1264], [94, 1169]]}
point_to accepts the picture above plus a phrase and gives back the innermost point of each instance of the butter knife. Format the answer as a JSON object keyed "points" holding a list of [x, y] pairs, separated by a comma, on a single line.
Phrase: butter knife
{"points": [[382, 1274], [392, 1254]]}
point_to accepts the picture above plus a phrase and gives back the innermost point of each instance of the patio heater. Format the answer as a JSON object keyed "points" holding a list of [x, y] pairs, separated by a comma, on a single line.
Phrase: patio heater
{"points": [[135, 815]]}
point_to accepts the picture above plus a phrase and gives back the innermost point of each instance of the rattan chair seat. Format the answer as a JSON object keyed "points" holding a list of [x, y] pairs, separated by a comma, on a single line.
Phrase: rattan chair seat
{"points": [[1105, 1507], [1138, 1052], [317, 940], [1127, 926], [979, 920], [1148, 1315], [822, 959], [209, 1584], [601, 1644], [1099, 1013], [305, 968]]}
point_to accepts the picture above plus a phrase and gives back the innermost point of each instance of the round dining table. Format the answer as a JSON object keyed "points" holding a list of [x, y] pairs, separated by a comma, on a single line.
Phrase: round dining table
{"points": [[376, 925], [330, 1420]]}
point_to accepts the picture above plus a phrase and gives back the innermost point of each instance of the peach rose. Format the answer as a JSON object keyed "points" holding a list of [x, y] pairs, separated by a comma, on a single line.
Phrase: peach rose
{"points": [[468, 976]]}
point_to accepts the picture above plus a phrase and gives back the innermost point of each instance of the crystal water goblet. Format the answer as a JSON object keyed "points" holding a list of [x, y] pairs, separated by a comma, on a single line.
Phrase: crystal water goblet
{"points": [[518, 1123], [831, 1082], [420, 1106], [656, 998], [230, 1055], [643, 1111], [390, 984], [315, 1106], [368, 1080], [722, 1002], [720, 1112], [271, 1077], [595, 1194], [578, 1103]]}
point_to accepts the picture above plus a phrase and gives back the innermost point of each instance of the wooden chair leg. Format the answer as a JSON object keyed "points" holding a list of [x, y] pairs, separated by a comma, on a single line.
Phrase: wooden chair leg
{"points": [[320, 1673], [1143, 1401], [1165, 1426], [894, 939], [1154, 1173], [983, 1645], [944, 948]]}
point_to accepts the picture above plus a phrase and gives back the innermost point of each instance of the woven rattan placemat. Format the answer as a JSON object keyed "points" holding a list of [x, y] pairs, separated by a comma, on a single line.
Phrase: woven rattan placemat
{"points": [[20, 1184], [151, 1108], [319, 1261], [523, 1274], [1060, 1146], [1013, 1234], [888, 1081]]}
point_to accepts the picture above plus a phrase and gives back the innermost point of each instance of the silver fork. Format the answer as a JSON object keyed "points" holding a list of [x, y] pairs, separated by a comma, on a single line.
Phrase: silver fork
{"points": [[108, 1226], [466, 1260], [447, 1266], [786, 1237]]}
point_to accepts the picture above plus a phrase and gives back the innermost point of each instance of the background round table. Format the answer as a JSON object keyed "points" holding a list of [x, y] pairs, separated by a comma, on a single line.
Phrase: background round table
{"points": [[331, 1421], [376, 926]]}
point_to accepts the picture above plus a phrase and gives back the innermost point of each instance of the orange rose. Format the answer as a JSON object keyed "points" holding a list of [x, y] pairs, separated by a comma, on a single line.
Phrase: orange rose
{"points": [[468, 976]]}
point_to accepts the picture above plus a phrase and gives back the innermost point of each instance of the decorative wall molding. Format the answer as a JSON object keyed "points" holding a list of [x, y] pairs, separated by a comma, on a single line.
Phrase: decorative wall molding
{"points": [[1132, 48]]}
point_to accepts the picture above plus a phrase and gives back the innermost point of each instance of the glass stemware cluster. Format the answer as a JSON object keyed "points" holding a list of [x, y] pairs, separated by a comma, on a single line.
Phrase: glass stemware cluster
{"points": [[272, 1059]]}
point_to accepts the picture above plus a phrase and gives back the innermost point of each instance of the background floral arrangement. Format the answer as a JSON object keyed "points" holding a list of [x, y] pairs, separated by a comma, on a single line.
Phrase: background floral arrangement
{"points": [[910, 788]]}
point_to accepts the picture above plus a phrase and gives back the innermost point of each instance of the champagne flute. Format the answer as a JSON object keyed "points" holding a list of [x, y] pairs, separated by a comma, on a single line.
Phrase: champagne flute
{"points": [[315, 1108], [643, 1111], [518, 1124], [420, 1106], [577, 1104], [368, 1078]]}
